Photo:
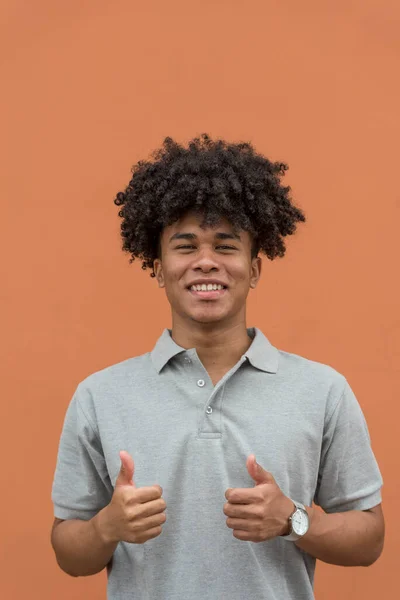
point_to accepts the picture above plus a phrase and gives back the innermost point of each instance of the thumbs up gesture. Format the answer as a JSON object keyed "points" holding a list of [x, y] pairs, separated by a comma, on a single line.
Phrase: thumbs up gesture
{"points": [[134, 514], [260, 513]]}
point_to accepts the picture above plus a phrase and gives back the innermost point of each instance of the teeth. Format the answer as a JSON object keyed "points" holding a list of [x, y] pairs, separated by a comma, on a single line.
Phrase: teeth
{"points": [[206, 287]]}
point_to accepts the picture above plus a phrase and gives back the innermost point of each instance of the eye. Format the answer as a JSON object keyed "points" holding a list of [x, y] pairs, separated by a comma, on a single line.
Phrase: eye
{"points": [[189, 246]]}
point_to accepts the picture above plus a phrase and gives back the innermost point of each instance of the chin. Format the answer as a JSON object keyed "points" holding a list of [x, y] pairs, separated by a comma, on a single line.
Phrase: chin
{"points": [[207, 317], [205, 314]]}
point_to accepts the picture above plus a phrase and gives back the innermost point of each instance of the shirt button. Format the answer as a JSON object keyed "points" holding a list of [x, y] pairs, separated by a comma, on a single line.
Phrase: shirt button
{"points": [[209, 410], [201, 383], [187, 360]]}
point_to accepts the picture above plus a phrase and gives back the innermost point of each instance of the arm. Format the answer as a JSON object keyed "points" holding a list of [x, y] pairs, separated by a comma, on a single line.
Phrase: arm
{"points": [[352, 538], [349, 538], [81, 488], [134, 515], [348, 474], [79, 547]]}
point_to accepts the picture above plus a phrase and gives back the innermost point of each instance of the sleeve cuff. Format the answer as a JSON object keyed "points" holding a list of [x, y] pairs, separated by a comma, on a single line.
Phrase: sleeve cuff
{"points": [[65, 514], [360, 504]]}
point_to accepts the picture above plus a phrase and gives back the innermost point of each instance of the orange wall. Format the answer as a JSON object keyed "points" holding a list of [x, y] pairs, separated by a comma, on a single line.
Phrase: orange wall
{"points": [[88, 89]]}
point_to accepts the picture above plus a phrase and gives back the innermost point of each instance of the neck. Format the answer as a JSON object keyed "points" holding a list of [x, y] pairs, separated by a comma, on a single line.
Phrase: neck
{"points": [[219, 347]]}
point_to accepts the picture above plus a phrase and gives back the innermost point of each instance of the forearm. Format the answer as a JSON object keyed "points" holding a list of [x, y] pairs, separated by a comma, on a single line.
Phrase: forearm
{"points": [[351, 538], [80, 548]]}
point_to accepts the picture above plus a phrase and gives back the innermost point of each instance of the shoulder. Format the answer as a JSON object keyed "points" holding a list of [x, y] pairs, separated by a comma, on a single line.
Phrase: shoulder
{"points": [[316, 385], [119, 373], [306, 368], [107, 385]]}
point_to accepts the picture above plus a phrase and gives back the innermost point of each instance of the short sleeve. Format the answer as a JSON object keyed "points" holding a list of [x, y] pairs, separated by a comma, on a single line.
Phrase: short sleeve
{"points": [[349, 477], [81, 485]]}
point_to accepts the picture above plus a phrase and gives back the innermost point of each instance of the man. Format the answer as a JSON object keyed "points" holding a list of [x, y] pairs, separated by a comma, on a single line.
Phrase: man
{"points": [[190, 471]]}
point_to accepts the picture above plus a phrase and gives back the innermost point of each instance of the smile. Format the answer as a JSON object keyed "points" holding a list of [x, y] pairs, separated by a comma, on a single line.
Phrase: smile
{"points": [[207, 294]]}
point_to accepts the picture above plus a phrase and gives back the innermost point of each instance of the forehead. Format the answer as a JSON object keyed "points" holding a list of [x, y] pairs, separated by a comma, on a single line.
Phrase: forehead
{"points": [[190, 223]]}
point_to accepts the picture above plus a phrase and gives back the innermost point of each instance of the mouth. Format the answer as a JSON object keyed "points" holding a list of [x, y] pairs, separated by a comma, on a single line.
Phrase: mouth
{"points": [[214, 294]]}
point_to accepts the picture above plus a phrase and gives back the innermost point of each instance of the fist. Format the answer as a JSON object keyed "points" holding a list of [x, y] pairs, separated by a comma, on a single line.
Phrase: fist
{"points": [[134, 514]]}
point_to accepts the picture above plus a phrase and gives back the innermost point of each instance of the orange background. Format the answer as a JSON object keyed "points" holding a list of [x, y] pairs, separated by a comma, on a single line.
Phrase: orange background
{"points": [[91, 87]]}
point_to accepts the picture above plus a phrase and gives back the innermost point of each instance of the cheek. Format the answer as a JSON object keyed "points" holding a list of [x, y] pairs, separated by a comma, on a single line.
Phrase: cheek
{"points": [[173, 281], [173, 271], [240, 274]]}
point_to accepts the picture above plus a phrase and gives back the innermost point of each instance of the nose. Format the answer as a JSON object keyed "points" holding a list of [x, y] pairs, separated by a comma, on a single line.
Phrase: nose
{"points": [[206, 261]]}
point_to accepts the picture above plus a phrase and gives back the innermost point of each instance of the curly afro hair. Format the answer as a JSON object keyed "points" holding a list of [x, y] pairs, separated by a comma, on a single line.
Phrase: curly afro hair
{"points": [[215, 179]]}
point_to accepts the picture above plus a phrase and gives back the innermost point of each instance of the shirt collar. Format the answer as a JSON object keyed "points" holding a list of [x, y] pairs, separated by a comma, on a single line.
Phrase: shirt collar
{"points": [[261, 354]]}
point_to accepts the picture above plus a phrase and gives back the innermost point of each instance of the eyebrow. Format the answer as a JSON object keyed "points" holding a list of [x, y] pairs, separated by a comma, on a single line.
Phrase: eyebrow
{"points": [[192, 236]]}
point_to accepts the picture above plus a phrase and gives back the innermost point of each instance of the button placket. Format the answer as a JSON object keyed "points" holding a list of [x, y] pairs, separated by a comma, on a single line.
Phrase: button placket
{"points": [[210, 425], [206, 427], [211, 415]]}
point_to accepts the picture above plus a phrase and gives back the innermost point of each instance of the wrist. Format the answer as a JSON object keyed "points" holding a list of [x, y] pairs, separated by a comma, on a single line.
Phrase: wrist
{"points": [[102, 528], [299, 522], [289, 509]]}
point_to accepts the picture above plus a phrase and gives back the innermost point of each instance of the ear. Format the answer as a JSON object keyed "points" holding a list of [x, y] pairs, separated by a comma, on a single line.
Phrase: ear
{"points": [[255, 271], [158, 270]]}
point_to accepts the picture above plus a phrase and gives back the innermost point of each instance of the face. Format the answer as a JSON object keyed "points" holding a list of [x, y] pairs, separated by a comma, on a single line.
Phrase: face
{"points": [[192, 256]]}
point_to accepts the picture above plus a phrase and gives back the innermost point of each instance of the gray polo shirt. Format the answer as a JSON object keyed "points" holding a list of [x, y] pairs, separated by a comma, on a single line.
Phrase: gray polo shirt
{"points": [[301, 420]]}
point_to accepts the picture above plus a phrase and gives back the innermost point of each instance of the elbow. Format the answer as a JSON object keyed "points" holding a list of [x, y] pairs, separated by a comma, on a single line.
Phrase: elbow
{"points": [[70, 573], [370, 561], [59, 560], [65, 569], [80, 573], [379, 537], [373, 556]]}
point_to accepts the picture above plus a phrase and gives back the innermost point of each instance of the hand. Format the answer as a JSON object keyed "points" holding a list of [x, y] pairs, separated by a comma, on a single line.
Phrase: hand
{"points": [[260, 513], [134, 514]]}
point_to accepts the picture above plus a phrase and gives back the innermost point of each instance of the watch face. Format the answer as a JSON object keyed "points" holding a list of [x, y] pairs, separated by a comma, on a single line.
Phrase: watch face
{"points": [[300, 522]]}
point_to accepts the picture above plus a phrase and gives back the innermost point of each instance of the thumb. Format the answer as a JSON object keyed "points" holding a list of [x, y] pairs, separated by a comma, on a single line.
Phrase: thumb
{"points": [[125, 475], [257, 472]]}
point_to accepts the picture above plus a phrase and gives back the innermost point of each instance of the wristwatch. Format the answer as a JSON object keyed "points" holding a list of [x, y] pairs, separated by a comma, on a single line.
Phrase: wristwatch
{"points": [[299, 523]]}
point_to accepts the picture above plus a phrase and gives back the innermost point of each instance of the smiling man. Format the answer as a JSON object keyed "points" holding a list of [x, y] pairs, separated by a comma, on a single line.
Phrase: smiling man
{"points": [[190, 471]]}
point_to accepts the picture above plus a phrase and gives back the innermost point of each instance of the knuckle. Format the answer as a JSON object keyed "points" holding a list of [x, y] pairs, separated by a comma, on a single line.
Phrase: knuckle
{"points": [[135, 525], [259, 512], [133, 513], [132, 517], [122, 497], [129, 499]]}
